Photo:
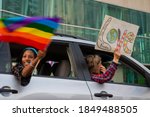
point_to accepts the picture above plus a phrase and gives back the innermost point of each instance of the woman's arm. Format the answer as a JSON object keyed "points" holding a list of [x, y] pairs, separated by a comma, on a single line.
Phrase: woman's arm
{"points": [[117, 55], [106, 76], [109, 73]]}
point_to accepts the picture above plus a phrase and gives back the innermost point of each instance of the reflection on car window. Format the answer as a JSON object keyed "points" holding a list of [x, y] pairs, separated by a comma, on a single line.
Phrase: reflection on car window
{"points": [[127, 75], [5, 59]]}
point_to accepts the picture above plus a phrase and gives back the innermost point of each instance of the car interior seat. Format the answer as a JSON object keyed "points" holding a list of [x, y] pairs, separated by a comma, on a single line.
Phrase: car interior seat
{"points": [[63, 69], [45, 69], [60, 69]]}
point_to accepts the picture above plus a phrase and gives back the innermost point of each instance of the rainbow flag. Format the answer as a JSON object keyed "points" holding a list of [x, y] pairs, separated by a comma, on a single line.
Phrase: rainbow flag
{"points": [[33, 31]]}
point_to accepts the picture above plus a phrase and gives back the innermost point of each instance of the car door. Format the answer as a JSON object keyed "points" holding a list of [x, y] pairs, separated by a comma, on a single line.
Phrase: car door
{"points": [[119, 89], [131, 80], [44, 86]]}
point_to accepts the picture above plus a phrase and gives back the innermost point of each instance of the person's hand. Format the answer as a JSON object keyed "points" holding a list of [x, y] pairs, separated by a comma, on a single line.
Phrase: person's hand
{"points": [[102, 68], [41, 54], [117, 55]]}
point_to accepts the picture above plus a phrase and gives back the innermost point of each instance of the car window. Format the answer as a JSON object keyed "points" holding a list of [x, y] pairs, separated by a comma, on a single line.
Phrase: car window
{"points": [[124, 74], [56, 63], [5, 59], [127, 75]]}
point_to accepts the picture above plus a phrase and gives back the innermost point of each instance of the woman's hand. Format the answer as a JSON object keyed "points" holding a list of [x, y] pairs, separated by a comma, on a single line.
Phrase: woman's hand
{"points": [[102, 68], [41, 54], [117, 55]]}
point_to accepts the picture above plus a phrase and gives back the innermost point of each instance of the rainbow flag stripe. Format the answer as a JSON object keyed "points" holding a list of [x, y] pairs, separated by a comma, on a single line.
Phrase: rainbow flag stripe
{"points": [[34, 31]]}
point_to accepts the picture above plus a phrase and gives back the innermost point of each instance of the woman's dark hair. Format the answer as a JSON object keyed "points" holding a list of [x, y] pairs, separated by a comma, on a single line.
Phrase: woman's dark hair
{"points": [[28, 48]]}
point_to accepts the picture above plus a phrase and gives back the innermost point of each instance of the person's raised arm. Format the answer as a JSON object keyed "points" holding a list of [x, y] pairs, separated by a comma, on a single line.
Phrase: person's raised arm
{"points": [[117, 55]]}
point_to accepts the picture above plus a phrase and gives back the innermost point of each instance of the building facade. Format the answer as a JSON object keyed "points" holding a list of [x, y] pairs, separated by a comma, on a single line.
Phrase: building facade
{"points": [[83, 18]]}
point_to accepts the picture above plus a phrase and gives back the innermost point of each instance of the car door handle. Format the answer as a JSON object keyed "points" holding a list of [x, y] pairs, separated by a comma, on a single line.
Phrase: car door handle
{"points": [[9, 90], [103, 94]]}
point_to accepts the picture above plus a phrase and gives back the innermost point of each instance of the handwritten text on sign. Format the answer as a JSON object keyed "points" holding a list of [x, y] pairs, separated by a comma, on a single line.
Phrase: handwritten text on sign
{"points": [[116, 33]]}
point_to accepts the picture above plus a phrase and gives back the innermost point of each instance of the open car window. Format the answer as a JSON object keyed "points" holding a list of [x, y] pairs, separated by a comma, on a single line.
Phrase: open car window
{"points": [[125, 74], [57, 62]]}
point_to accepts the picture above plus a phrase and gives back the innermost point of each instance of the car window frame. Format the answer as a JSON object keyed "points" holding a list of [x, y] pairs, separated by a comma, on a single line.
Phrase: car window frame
{"points": [[135, 67], [72, 52]]}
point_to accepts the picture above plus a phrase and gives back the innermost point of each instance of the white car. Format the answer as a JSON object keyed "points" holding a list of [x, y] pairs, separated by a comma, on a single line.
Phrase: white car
{"points": [[68, 77]]}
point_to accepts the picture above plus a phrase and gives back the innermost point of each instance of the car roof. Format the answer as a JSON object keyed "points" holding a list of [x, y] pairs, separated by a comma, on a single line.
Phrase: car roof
{"points": [[70, 38]]}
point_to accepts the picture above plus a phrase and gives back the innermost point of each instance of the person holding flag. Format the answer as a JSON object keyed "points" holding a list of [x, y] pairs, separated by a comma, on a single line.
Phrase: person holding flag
{"points": [[28, 60], [29, 31]]}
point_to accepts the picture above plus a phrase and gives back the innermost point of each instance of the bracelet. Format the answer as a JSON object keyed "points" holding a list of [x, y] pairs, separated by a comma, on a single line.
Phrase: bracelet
{"points": [[31, 65]]}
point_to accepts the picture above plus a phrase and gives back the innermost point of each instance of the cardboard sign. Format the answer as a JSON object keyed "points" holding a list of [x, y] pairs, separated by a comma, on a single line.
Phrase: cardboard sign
{"points": [[115, 33]]}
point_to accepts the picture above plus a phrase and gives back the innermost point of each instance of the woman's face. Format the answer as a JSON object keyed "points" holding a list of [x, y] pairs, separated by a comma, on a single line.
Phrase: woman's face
{"points": [[28, 57]]}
